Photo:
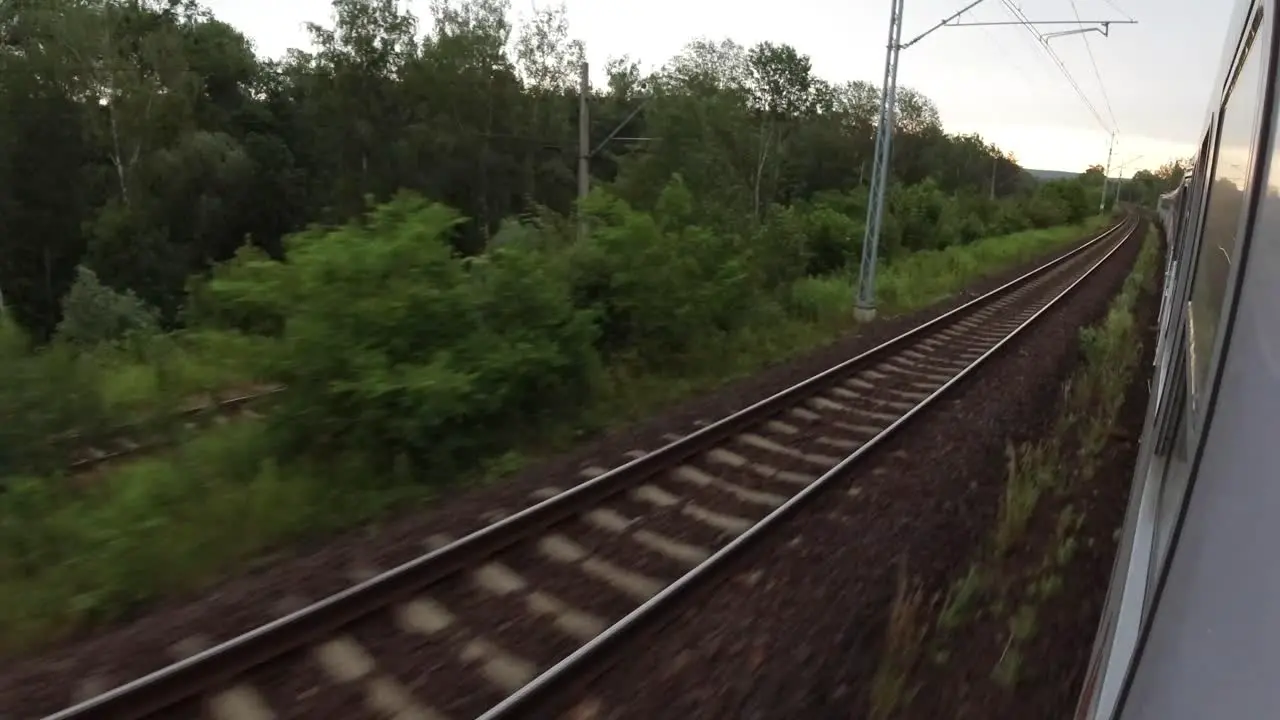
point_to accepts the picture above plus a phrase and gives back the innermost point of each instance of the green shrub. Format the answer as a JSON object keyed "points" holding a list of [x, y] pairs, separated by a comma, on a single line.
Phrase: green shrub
{"points": [[781, 248], [822, 299], [833, 239], [44, 393], [94, 314], [657, 288], [164, 524], [408, 365], [245, 301], [394, 347]]}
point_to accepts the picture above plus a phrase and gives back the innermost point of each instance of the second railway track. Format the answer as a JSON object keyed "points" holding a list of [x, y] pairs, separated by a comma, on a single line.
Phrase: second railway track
{"points": [[90, 451], [503, 622]]}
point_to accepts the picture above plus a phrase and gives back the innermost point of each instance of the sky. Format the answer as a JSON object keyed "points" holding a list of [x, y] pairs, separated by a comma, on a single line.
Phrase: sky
{"points": [[1156, 75]]}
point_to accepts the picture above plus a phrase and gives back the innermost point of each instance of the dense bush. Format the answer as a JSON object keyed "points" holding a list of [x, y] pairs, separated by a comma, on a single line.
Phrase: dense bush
{"points": [[400, 347], [655, 284], [393, 344], [93, 313], [44, 393]]}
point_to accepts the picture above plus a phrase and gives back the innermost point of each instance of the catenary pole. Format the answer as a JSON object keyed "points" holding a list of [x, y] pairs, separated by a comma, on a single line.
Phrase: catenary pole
{"points": [[1106, 174], [865, 307], [584, 146], [585, 151], [1120, 181]]}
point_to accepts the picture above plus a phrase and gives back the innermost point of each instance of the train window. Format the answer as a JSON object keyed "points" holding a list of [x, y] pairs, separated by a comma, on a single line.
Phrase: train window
{"points": [[1171, 395], [1223, 216]]}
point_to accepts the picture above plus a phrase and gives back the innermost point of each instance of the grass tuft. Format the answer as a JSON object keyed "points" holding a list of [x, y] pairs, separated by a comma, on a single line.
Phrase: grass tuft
{"points": [[1058, 464], [904, 641]]}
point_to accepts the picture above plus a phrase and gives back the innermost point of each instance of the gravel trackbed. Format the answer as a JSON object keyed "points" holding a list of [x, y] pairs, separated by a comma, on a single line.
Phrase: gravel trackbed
{"points": [[795, 631]]}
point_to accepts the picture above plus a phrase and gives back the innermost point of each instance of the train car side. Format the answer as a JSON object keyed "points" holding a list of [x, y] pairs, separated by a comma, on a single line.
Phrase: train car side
{"points": [[1188, 630]]}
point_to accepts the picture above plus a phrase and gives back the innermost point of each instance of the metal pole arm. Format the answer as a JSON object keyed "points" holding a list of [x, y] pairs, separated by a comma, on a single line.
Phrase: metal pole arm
{"points": [[1104, 23], [949, 18], [621, 125]]}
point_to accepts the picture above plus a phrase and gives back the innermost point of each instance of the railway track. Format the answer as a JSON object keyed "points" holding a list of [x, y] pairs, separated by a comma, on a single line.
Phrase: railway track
{"points": [[89, 451], [508, 621]]}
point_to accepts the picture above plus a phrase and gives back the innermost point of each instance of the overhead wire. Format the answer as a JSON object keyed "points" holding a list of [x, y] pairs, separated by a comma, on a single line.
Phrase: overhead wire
{"points": [[1022, 19], [1004, 52], [1034, 41], [1101, 85], [1116, 7]]}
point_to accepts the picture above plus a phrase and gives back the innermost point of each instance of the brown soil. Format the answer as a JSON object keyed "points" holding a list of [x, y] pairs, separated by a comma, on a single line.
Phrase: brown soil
{"points": [[797, 627], [43, 683]]}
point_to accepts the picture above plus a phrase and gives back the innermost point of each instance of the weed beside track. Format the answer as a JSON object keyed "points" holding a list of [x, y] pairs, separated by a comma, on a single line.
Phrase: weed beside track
{"points": [[796, 627], [1011, 635]]}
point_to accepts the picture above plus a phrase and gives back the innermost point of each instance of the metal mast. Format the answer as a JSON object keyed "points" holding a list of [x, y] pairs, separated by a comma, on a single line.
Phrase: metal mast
{"points": [[1106, 174], [584, 145], [585, 151], [866, 307]]}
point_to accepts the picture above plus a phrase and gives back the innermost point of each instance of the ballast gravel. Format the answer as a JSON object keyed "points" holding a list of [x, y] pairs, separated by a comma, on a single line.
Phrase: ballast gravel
{"points": [[795, 628]]}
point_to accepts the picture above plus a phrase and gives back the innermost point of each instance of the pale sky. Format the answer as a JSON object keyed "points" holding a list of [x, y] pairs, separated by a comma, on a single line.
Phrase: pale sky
{"points": [[995, 81]]}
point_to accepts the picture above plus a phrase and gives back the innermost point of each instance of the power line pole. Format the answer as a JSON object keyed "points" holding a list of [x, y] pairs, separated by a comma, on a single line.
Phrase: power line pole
{"points": [[584, 147], [1106, 174], [1120, 181], [585, 151], [865, 309]]}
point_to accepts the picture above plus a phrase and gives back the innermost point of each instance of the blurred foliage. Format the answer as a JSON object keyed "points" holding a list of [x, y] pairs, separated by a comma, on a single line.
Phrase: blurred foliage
{"points": [[93, 314], [45, 392], [389, 225], [145, 140], [390, 341]]}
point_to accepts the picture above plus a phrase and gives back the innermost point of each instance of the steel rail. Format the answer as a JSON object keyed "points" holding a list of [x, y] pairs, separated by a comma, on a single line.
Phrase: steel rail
{"points": [[181, 680], [185, 412], [588, 660], [121, 432]]}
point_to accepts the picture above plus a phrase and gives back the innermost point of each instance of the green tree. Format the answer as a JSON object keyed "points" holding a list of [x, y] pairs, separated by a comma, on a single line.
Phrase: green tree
{"points": [[145, 140]]}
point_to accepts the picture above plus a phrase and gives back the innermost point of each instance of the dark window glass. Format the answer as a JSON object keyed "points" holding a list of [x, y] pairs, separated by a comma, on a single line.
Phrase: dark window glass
{"points": [[1171, 398], [1222, 219]]}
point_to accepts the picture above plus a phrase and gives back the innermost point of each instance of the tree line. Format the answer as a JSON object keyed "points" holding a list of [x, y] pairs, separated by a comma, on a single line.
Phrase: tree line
{"points": [[145, 140]]}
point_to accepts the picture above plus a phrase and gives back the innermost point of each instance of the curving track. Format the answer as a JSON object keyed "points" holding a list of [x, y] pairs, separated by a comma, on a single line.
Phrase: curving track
{"points": [[508, 621]]}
